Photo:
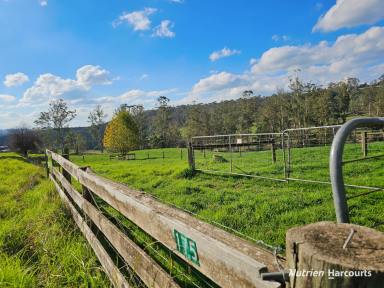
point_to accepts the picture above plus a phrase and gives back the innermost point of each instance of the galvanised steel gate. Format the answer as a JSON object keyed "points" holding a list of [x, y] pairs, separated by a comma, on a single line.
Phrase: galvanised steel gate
{"points": [[300, 154]]}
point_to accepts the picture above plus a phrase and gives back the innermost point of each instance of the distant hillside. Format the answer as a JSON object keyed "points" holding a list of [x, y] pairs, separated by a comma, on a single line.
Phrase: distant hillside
{"points": [[305, 105], [3, 140], [3, 136]]}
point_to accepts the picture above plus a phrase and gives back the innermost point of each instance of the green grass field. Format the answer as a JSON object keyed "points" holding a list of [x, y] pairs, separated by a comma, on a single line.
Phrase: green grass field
{"points": [[257, 208], [39, 243]]}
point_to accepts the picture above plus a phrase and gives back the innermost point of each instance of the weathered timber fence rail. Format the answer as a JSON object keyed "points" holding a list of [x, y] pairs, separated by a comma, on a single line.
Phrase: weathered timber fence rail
{"points": [[226, 259]]}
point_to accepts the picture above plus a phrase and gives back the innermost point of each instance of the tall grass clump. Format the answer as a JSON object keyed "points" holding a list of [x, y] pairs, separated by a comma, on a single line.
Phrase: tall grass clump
{"points": [[39, 243]]}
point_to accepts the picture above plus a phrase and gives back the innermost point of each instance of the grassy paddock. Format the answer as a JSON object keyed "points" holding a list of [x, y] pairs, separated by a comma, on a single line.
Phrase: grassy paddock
{"points": [[39, 243], [261, 209]]}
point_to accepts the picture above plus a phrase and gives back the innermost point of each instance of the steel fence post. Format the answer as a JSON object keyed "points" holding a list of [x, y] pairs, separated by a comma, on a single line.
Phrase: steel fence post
{"points": [[336, 164], [289, 155], [284, 156], [230, 152]]}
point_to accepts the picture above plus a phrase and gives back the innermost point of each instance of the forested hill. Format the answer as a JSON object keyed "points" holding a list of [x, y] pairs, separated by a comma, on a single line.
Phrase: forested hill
{"points": [[304, 105]]}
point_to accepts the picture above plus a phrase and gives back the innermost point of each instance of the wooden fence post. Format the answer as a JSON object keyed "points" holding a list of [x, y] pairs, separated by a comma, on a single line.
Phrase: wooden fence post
{"points": [[191, 160], [86, 192], [46, 164], [327, 254], [364, 143], [181, 153], [65, 173], [163, 155], [273, 150]]}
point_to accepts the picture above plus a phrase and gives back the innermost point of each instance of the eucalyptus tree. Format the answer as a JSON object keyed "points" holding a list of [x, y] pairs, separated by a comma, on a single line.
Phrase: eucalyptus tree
{"points": [[57, 118], [97, 120]]}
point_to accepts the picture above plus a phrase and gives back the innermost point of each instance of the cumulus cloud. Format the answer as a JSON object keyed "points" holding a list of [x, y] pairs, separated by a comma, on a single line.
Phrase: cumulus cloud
{"points": [[350, 51], [217, 81], [135, 96], [90, 75], [164, 30], [224, 86], [138, 93], [16, 79], [350, 13], [225, 52], [7, 98], [352, 55], [49, 86], [139, 20], [43, 2]]}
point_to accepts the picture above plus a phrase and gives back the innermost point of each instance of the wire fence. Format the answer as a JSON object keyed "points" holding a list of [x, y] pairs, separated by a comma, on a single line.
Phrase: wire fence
{"points": [[256, 155], [151, 154], [300, 154]]}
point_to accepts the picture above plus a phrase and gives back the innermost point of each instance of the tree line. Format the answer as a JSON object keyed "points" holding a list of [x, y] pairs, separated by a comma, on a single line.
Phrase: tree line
{"points": [[132, 127]]}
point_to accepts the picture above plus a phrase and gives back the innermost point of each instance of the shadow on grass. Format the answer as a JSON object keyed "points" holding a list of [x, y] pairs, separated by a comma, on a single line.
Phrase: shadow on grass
{"points": [[13, 157]]}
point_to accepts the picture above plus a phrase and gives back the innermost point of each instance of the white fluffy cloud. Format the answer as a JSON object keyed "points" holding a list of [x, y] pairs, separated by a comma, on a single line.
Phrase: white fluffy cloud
{"points": [[49, 86], [15, 79], [225, 52], [164, 30], [347, 54], [7, 98], [90, 75], [224, 86], [43, 2], [217, 81], [139, 20], [350, 13], [353, 55], [144, 95], [135, 96]]}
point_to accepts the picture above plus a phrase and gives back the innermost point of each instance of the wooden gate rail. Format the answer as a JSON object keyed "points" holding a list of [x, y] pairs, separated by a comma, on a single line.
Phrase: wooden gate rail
{"points": [[112, 271], [225, 258], [143, 265]]}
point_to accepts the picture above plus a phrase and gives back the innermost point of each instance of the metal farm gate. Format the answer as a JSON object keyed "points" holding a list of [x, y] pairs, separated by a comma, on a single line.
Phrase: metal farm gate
{"points": [[300, 154], [254, 155]]}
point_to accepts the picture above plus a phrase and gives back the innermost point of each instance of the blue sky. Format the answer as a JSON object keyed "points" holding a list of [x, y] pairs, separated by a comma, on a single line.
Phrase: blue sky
{"points": [[109, 52]]}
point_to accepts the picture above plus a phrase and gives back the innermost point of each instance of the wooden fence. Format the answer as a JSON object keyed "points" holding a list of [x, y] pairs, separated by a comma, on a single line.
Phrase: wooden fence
{"points": [[229, 261]]}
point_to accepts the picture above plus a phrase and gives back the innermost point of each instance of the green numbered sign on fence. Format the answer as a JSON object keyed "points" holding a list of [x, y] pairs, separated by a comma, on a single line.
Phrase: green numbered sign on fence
{"points": [[186, 246]]}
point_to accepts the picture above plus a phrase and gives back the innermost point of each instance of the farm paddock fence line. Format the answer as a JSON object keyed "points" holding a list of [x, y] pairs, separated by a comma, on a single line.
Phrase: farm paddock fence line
{"points": [[300, 154], [225, 259]]}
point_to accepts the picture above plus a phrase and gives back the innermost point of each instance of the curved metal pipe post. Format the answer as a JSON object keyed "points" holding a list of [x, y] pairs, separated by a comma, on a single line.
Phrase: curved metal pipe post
{"points": [[336, 163]]}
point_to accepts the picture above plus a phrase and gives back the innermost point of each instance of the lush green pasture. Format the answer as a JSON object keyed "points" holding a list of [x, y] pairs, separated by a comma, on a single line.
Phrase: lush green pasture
{"points": [[39, 243], [261, 209]]}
